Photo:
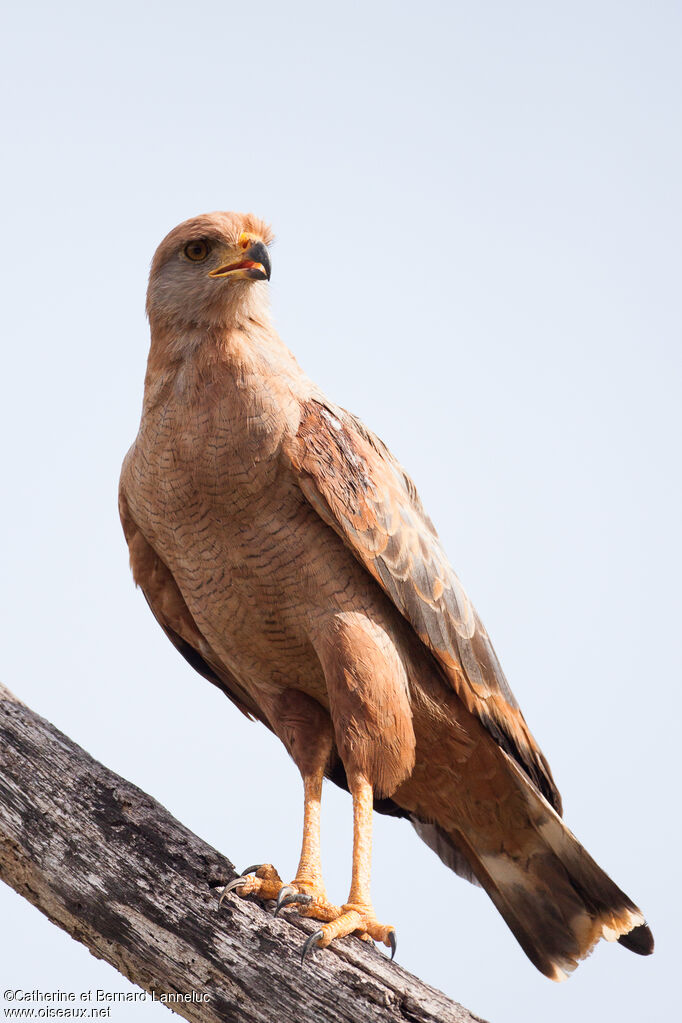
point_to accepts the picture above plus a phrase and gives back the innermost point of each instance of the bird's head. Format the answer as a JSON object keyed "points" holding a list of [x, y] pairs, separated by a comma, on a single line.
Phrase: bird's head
{"points": [[207, 270]]}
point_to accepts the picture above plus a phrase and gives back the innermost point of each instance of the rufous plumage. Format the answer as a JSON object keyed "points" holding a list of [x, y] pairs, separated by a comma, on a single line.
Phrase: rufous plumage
{"points": [[286, 554]]}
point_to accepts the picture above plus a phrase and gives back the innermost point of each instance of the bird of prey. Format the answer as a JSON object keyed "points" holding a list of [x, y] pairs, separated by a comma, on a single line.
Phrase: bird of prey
{"points": [[286, 554]]}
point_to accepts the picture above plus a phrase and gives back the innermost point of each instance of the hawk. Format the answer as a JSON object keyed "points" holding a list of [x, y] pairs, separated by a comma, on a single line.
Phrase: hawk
{"points": [[286, 554]]}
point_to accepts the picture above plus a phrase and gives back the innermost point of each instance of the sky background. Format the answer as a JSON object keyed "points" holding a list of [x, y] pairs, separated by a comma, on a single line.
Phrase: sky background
{"points": [[478, 220]]}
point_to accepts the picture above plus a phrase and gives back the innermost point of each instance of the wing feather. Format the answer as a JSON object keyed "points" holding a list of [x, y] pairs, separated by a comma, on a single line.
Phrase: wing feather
{"points": [[167, 605], [356, 486]]}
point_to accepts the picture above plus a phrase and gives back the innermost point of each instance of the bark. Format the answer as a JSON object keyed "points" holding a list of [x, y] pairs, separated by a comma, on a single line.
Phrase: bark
{"points": [[109, 865]]}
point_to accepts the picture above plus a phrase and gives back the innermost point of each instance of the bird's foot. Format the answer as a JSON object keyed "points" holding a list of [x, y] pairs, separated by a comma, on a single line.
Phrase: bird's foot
{"points": [[310, 899], [263, 881], [354, 918]]}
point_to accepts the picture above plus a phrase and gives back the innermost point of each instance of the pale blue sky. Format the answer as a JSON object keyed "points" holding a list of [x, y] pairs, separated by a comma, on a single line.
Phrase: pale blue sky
{"points": [[477, 210]]}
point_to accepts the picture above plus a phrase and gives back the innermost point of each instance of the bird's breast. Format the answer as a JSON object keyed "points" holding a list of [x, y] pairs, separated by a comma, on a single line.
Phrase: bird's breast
{"points": [[219, 442]]}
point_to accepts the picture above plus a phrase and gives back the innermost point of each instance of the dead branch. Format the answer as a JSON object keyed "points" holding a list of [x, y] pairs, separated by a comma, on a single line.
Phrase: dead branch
{"points": [[109, 865]]}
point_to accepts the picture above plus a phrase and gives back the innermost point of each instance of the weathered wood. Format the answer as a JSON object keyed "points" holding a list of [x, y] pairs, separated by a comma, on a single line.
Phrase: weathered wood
{"points": [[109, 865]]}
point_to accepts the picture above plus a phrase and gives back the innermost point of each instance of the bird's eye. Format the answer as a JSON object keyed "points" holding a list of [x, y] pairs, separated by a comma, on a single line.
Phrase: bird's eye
{"points": [[196, 251]]}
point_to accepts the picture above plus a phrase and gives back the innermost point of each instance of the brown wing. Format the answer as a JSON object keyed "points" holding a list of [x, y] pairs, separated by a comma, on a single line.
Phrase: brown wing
{"points": [[359, 489], [171, 612]]}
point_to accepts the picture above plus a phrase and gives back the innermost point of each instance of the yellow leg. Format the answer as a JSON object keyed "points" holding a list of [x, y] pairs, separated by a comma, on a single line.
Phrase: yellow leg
{"points": [[357, 915], [363, 807], [309, 873], [307, 889]]}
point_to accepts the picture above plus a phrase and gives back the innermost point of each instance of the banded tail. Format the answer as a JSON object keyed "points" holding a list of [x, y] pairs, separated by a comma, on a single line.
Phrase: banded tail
{"points": [[555, 899]]}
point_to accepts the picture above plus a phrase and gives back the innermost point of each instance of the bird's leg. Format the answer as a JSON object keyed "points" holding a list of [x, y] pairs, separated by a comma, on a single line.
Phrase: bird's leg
{"points": [[309, 873], [357, 915], [307, 889]]}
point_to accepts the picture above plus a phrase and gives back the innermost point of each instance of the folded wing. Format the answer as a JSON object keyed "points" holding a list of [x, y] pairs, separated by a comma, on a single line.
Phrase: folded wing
{"points": [[358, 488]]}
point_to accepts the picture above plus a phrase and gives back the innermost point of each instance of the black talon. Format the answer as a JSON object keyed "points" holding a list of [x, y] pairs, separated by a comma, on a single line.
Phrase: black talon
{"points": [[253, 869], [312, 940], [284, 891], [288, 899], [237, 883], [393, 942]]}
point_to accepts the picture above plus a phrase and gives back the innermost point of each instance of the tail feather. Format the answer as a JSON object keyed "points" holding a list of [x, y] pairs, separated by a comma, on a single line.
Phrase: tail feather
{"points": [[639, 940], [450, 853], [557, 909], [555, 899], [536, 914]]}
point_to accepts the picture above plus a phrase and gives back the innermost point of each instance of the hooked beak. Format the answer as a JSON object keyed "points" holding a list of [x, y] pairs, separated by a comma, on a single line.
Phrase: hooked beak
{"points": [[255, 266]]}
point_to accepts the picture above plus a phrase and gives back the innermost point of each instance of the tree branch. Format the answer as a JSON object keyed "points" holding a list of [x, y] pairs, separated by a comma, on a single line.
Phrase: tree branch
{"points": [[109, 865]]}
